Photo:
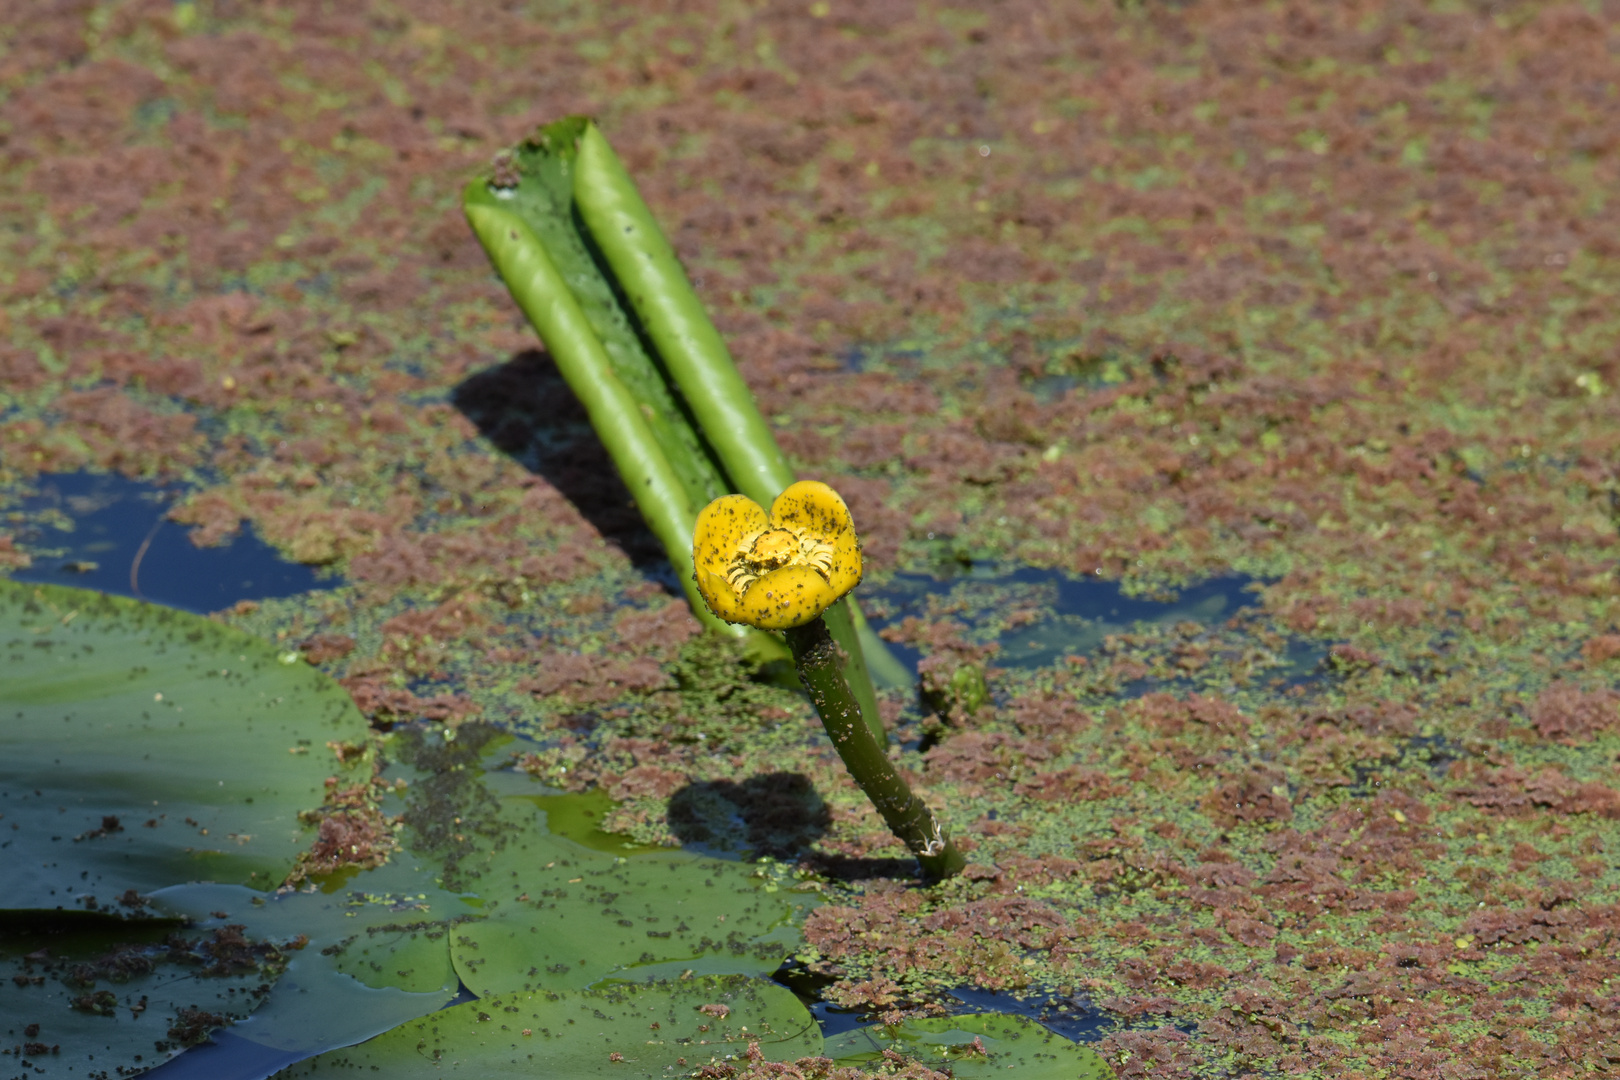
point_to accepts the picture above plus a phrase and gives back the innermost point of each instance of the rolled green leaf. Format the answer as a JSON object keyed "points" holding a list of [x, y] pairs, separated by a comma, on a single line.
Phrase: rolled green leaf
{"points": [[675, 320], [672, 316], [886, 668], [538, 186], [540, 291]]}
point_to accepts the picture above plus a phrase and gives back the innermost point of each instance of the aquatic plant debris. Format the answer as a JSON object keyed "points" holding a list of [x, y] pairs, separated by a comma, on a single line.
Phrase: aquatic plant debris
{"points": [[1144, 293]]}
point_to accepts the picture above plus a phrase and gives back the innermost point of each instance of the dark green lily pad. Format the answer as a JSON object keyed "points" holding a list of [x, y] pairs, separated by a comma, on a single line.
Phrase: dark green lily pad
{"points": [[624, 1031], [559, 916], [84, 994], [142, 747], [373, 959], [975, 1047], [411, 955]]}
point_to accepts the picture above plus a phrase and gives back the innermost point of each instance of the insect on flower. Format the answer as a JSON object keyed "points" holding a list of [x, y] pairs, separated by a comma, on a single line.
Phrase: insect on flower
{"points": [[781, 569]]}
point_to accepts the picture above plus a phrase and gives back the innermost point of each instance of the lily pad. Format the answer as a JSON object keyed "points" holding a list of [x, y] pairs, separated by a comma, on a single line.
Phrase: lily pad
{"points": [[559, 916], [372, 959], [626, 1031], [413, 956], [975, 1047], [83, 994], [142, 747]]}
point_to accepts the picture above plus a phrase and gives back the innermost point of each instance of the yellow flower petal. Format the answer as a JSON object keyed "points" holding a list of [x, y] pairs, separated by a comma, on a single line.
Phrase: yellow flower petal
{"points": [[732, 543], [720, 596], [791, 596], [820, 511], [722, 526]]}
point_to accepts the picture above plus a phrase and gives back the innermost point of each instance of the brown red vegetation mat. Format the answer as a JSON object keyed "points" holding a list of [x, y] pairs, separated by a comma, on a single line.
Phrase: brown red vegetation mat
{"points": [[1316, 293]]}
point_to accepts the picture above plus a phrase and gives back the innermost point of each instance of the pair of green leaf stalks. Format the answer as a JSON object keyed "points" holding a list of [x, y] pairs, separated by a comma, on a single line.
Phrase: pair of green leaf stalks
{"points": [[581, 253]]}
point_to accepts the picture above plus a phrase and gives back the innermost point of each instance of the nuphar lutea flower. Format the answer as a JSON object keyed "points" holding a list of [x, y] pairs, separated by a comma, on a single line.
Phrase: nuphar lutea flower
{"points": [[781, 569]]}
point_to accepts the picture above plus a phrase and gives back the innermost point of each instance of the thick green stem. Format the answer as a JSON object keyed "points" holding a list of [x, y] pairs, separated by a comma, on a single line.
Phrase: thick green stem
{"points": [[540, 291], [908, 817], [697, 359]]}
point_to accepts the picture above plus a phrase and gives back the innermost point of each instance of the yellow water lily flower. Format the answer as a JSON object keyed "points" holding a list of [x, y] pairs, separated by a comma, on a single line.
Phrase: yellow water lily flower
{"points": [[778, 570]]}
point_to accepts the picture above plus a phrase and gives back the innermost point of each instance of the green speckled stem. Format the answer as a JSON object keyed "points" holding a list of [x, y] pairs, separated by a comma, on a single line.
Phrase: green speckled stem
{"points": [[908, 817]]}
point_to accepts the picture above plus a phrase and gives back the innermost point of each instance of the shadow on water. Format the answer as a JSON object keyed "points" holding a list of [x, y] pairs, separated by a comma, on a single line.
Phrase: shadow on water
{"points": [[1072, 615], [107, 532], [526, 409]]}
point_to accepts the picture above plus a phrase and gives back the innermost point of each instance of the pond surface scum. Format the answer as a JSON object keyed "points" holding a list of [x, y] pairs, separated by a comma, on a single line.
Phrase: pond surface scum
{"points": [[1225, 396]]}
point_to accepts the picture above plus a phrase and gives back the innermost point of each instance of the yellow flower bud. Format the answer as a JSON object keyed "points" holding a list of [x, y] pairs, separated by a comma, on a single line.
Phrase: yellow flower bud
{"points": [[777, 570]]}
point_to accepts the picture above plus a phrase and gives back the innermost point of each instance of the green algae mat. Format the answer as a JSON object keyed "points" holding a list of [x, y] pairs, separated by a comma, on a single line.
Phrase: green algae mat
{"points": [[1226, 400]]}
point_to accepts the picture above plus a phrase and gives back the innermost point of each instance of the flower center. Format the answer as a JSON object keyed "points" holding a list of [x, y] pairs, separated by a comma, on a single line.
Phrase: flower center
{"points": [[775, 548]]}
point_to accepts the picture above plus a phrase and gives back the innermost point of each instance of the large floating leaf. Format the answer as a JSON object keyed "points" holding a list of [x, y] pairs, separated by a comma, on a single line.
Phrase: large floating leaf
{"points": [[627, 1032], [85, 994], [410, 955], [975, 1047], [560, 916], [142, 747], [373, 958]]}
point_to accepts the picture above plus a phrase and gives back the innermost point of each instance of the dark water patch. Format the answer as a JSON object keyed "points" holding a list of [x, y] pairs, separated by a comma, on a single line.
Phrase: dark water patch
{"points": [[1436, 752], [1049, 388], [1071, 1017], [1037, 617], [835, 1021], [109, 533]]}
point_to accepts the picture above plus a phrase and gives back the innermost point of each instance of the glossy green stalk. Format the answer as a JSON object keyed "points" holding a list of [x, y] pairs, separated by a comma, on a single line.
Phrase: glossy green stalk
{"points": [[674, 319], [540, 291], [864, 756]]}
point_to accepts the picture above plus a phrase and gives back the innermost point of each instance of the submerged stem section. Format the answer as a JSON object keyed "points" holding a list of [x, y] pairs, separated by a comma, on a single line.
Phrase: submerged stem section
{"points": [[818, 661]]}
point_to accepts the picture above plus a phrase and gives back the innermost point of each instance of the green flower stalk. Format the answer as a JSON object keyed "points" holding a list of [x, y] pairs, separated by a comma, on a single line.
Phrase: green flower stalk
{"points": [[782, 571]]}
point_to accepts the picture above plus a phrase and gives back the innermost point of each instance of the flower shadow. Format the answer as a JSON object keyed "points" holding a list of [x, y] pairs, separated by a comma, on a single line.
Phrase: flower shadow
{"points": [[776, 814]]}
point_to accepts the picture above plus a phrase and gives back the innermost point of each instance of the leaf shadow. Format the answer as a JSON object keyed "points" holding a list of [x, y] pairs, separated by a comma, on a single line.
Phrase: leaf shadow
{"points": [[526, 409]]}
